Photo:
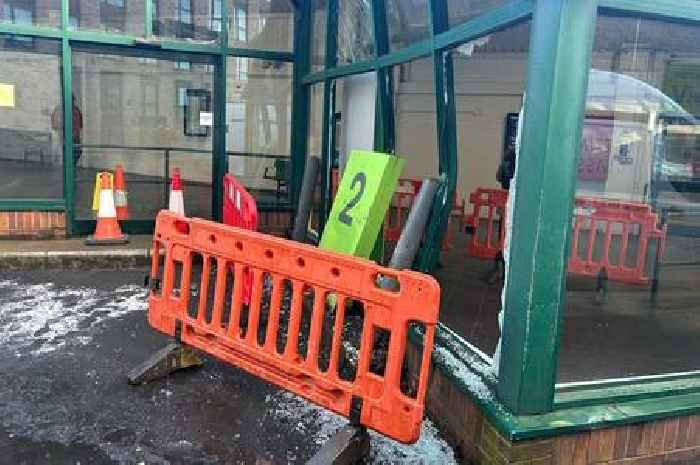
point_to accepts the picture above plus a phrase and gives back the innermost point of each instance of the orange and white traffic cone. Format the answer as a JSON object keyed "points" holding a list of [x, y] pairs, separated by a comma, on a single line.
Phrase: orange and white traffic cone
{"points": [[176, 203], [121, 200], [107, 231]]}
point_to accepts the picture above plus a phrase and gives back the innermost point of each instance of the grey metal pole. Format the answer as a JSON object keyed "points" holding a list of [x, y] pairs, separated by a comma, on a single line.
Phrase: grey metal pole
{"points": [[306, 199], [409, 241]]}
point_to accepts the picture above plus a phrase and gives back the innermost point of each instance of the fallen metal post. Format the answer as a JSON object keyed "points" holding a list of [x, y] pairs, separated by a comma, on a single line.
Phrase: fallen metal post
{"points": [[169, 359]]}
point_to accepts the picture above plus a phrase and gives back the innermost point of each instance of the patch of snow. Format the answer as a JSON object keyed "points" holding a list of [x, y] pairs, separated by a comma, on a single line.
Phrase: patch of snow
{"points": [[42, 318], [321, 424]]}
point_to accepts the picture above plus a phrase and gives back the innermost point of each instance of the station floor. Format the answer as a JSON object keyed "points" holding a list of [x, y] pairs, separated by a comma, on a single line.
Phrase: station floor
{"points": [[625, 335]]}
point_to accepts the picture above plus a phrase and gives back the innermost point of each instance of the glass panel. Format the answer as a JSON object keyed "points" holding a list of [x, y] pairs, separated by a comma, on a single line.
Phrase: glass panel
{"points": [[187, 19], [31, 118], [318, 35], [115, 16], [634, 268], [258, 115], [151, 115], [408, 21], [355, 31], [261, 24], [31, 12], [460, 11], [490, 75]]}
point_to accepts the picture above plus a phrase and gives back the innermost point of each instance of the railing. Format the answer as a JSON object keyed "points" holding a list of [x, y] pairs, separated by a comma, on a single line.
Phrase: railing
{"points": [[167, 151]]}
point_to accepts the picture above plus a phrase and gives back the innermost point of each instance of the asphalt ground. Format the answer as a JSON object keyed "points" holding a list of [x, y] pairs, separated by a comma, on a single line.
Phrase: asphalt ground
{"points": [[69, 338]]}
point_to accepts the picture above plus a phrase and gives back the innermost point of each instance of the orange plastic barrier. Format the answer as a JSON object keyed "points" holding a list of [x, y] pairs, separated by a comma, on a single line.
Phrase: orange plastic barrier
{"points": [[293, 284], [615, 236], [486, 219], [607, 234], [401, 204]]}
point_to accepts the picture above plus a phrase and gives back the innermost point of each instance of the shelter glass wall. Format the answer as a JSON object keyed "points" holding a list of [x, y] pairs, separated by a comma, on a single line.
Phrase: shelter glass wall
{"points": [[258, 121], [187, 19], [460, 11], [31, 118], [635, 261], [408, 22], [355, 35], [318, 35], [31, 12], [112, 16], [151, 115], [261, 24]]}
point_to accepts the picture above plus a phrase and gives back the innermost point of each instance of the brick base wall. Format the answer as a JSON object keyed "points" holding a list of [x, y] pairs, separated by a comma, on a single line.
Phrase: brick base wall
{"points": [[674, 441], [32, 225]]}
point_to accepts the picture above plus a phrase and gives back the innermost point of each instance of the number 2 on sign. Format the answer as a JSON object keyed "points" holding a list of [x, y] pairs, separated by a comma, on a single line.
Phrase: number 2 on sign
{"points": [[344, 216]]}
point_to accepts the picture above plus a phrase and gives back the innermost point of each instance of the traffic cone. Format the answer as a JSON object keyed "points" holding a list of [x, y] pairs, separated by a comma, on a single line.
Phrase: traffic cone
{"points": [[107, 231], [121, 201], [177, 200]]}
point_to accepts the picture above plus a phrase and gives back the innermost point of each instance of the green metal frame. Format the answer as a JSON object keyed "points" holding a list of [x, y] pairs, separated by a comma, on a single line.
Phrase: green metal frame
{"points": [[219, 50], [561, 42]]}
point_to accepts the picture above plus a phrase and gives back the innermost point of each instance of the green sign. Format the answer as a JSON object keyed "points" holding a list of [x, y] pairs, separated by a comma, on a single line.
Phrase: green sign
{"points": [[363, 198]]}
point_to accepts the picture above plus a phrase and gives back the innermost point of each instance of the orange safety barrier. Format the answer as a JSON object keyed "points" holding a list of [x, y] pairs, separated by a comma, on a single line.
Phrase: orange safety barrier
{"points": [[240, 210], [401, 204], [486, 219], [608, 235], [615, 236], [302, 300]]}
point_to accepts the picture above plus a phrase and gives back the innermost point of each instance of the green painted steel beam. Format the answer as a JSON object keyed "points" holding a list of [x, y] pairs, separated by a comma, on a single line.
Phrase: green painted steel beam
{"points": [[300, 97], [686, 10], [487, 23], [494, 20], [328, 125], [148, 19], [384, 119], [68, 160], [261, 54], [30, 31], [560, 48], [32, 205], [443, 74]]}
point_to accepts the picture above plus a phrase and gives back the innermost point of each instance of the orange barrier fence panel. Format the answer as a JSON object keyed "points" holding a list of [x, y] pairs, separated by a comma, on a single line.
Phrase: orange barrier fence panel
{"points": [[294, 333], [487, 221], [616, 237], [612, 235]]}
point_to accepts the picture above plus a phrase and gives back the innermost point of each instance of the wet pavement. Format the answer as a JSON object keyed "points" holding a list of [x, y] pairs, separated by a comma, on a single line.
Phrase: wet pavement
{"points": [[69, 339]]}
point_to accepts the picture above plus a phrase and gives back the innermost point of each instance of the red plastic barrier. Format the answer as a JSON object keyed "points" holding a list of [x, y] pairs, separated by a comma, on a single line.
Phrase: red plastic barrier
{"points": [[240, 210], [291, 305], [615, 236], [486, 219], [607, 234]]}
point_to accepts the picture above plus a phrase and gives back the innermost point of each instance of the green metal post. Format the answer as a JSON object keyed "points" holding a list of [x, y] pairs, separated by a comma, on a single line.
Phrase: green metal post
{"points": [[300, 97], [446, 142], [384, 131], [327, 147], [220, 161], [560, 49], [148, 13], [68, 158]]}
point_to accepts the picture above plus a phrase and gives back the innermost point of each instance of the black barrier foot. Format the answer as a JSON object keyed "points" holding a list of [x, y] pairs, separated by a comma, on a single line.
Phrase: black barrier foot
{"points": [[169, 359], [349, 446], [601, 287]]}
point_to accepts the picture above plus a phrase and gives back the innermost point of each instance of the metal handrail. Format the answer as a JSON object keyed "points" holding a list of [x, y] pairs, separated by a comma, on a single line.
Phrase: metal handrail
{"points": [[166, 156]]}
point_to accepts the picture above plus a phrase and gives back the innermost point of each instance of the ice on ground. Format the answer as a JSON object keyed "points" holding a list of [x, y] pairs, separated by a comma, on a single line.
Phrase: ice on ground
{"points": [[321, 424], [42, 318]]}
